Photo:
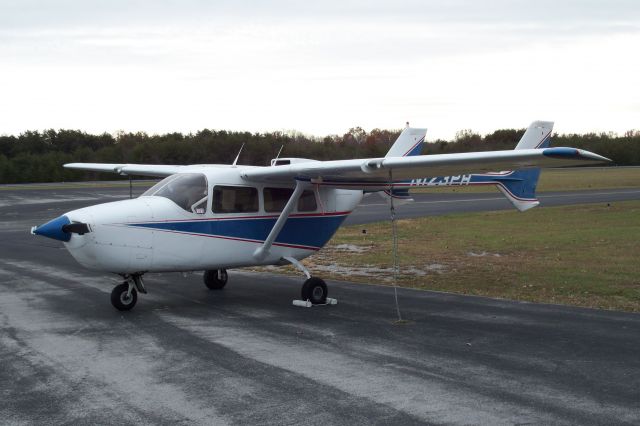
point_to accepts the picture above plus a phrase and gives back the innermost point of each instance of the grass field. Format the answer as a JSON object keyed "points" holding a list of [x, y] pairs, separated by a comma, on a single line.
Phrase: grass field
{"points": [[589, 178], [585, 255]]}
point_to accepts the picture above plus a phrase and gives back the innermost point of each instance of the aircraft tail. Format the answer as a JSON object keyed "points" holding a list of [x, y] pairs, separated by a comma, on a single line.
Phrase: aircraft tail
{"points": [[408, 144], [538, 135], [520, 186]]}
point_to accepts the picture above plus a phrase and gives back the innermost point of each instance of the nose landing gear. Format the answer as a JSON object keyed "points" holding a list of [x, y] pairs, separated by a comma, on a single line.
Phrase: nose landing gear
{"points": [[124, 296]]}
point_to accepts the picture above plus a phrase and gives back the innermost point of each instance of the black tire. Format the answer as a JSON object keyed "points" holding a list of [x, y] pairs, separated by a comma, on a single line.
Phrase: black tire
{"points": [[215, 279], [119, 298], [315, 291]]}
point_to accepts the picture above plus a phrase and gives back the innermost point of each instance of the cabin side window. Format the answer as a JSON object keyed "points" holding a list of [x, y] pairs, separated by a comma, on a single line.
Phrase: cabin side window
{"points": [[187, 190], [307, 202], [275, 199], [235, 199]]}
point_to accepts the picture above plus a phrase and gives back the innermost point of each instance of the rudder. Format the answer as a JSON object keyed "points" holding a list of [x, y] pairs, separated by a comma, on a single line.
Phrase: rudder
{"points": [[520, 186], [409, 143]]}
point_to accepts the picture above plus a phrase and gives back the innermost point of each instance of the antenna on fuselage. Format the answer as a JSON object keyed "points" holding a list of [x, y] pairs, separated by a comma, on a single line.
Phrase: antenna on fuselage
{"points": [[235, 162], [278, 155]]}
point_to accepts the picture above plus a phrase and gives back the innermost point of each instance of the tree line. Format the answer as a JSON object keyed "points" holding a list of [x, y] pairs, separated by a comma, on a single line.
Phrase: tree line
{"points": [[35, 156]]}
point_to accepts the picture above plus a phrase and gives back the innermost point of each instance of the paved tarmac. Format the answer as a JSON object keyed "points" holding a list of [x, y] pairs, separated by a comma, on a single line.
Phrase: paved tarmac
{"points": [[244, 355]]}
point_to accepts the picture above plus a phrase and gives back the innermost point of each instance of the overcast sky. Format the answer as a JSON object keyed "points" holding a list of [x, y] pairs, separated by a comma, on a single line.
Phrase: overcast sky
{"points": [[319, 67]]}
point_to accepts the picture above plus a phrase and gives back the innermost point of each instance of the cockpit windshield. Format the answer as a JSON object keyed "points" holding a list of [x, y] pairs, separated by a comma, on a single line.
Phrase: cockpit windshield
{"points": [[187, 190]]}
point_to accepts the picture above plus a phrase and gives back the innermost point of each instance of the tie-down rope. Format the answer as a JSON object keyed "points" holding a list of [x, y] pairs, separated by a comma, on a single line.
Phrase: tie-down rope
{"points": [[396, 260]]}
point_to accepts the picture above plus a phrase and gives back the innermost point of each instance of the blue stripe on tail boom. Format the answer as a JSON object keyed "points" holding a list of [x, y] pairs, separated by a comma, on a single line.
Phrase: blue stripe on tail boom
{"points": [[521, 184]]}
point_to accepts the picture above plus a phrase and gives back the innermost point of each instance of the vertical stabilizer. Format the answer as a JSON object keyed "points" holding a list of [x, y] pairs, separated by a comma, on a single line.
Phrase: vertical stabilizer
{"points": [[520, 186], [538, 135], [408, 143]]}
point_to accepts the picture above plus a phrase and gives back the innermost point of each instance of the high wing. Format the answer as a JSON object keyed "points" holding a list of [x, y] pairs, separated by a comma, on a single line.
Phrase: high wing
{"points": [[365, 172], [128, 169]]}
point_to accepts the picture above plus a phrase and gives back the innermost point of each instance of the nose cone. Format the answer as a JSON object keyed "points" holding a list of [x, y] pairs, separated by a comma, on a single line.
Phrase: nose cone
{"points": [[53, 229]]}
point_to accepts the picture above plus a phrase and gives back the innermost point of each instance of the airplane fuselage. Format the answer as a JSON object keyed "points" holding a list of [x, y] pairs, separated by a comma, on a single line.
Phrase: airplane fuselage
{"points": [[152, 233]]}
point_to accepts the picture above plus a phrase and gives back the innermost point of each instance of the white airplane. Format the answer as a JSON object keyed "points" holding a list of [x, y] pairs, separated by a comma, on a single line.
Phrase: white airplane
{"points": [[214, 217]]}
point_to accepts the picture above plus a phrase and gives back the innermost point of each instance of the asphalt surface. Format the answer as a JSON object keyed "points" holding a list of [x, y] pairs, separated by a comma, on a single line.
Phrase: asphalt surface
{"points": [[246, 355]]}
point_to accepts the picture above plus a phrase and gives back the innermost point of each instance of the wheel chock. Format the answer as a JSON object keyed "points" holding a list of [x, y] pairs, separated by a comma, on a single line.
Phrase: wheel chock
{"points": [[308, 304]]}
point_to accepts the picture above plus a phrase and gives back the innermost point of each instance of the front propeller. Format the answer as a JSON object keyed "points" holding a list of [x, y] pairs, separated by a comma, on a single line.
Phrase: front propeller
{"points": [[61, 229]]}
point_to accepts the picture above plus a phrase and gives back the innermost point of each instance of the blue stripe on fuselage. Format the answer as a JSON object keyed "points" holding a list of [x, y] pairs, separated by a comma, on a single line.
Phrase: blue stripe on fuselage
{"points": [[314, 231]]}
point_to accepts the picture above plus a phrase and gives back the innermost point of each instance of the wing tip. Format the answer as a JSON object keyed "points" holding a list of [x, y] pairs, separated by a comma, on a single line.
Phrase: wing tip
{"points": [[562, 152]]}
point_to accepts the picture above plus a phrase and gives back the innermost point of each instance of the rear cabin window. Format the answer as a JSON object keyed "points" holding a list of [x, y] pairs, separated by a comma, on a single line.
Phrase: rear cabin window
{"points": [[276, 198], [307, 202], [187, 190], [234, 199]]}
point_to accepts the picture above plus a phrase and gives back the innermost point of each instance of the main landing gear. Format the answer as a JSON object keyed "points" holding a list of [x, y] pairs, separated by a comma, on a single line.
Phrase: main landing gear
{"points": [[124, 296], [215, 279], [314, 290]]}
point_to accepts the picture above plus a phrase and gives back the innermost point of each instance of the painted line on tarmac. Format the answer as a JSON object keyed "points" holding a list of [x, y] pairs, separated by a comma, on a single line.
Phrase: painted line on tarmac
{"points": [[591, 193]]}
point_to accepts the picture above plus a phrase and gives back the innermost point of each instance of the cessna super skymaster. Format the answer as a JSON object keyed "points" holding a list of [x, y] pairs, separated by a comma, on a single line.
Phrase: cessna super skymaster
{"points": [[213, 217]]}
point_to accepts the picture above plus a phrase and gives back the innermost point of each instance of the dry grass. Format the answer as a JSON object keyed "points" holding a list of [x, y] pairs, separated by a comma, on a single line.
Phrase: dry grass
{"points": [[586, 255]]}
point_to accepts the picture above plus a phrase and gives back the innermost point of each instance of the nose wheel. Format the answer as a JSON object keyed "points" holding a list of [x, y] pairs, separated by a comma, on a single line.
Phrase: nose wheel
{"points": [[124, 298]]}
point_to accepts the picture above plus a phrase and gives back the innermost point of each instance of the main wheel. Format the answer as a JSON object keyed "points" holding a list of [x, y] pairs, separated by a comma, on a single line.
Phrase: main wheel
{"points": [[215, 279], [121, 300], [315, 291]]}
